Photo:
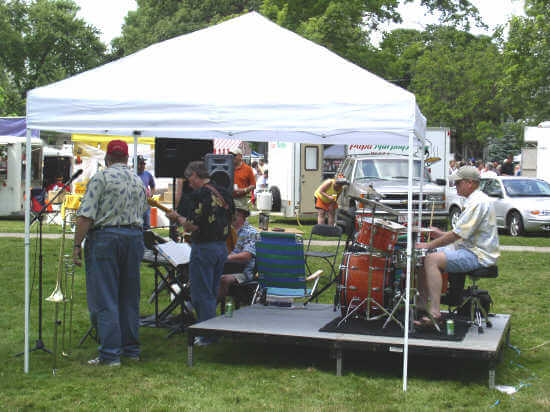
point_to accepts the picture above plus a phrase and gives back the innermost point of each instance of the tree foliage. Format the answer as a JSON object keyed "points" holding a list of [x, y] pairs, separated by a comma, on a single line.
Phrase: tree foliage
{"points": [[42, 41], [526, 83]]}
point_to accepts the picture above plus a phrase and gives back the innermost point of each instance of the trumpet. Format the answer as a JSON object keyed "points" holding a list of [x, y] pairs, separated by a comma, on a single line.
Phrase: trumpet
{"points": [[57, 296]]}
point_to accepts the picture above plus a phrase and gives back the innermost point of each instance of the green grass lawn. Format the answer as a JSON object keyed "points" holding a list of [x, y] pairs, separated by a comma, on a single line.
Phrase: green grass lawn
{"points": [[241, 375]]}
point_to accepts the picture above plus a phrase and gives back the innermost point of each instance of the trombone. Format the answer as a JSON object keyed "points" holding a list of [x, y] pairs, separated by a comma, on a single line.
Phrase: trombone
{"points": [[64, 267]]}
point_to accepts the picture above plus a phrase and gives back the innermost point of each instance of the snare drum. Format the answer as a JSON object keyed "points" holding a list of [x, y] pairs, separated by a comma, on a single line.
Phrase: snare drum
{"points": [[385, 234], [354, 287]]}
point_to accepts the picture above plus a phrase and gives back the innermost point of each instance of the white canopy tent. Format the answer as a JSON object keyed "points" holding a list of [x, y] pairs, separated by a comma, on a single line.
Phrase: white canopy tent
{"points": [[247, 79]]}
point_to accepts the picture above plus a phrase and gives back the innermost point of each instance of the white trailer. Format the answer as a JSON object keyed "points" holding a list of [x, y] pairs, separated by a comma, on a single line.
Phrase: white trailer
{"points": [[438, 140], [534, 157], [12, 172], [295, 172]]}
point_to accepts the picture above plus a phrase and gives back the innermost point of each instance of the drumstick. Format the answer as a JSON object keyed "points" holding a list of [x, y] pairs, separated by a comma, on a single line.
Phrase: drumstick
{"points": [[431, 219]]}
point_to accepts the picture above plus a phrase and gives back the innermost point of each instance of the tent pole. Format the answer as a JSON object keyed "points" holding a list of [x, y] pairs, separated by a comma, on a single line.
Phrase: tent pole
{"points": [[409, 256], [28, 165], [137, 133]]}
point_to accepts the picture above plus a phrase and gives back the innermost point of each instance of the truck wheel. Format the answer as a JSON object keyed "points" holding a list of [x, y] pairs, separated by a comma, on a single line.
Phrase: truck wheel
{"points": [[454, 213], [515, 224], [276, 194]]}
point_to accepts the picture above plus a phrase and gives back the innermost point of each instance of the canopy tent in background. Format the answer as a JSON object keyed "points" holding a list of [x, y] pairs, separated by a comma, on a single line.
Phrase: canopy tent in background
{"points": [[15, 126], [246, 79]]}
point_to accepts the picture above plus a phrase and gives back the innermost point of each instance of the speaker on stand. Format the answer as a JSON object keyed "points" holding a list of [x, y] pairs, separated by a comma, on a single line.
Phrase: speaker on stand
{"points": [[221, 170]]}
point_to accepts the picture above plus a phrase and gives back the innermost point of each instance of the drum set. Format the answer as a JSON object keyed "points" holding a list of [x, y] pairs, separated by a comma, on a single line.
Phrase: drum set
{"points": [[372, 275]]}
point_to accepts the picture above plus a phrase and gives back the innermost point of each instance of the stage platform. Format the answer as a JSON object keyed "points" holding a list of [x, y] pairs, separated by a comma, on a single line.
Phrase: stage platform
{"points": [[300, 325]]}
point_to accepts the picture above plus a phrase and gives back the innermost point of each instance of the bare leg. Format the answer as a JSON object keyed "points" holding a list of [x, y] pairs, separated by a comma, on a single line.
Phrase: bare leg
{"points": [[331, 216], [321, 214], [434, 264], [225, 283], [422, 302]]}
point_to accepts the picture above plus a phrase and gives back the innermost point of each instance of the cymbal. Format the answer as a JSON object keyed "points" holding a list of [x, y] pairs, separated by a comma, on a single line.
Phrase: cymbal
{"points": [[373, 204]]}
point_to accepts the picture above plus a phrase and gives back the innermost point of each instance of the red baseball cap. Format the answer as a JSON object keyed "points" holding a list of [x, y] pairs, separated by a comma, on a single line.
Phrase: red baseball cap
{"points": [[117, 147]]}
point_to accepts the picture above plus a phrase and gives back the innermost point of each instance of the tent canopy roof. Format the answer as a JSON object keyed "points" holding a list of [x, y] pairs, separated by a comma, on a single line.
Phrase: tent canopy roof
{"points": [[246, 78]]}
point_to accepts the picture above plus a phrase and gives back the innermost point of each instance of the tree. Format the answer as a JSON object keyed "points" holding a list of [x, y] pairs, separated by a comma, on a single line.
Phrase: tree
{"points": [[525, 87], [340, 25], [42, 42]]}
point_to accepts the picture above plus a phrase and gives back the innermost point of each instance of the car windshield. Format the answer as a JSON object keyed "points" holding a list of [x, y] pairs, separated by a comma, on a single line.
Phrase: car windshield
{"points": [[526, 188], [387, 169]]}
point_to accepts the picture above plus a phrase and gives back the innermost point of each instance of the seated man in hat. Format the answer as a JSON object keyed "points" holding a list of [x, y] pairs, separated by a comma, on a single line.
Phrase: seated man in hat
{"points": [[240, 263], [326, 199], [473, 243]]}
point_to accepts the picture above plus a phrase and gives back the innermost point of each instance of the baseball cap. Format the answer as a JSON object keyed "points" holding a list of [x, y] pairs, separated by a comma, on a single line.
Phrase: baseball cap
{"points": [[236, 151], [465, 173], [117, 147], [140, 158]]}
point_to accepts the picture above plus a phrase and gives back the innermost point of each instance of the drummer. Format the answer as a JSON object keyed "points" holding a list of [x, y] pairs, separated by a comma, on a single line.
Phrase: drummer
{"points": [[326, 199], [471, 244]]}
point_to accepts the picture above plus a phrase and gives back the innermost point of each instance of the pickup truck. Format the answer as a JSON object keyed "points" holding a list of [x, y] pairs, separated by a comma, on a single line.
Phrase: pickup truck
{"points": [[388, 176]]}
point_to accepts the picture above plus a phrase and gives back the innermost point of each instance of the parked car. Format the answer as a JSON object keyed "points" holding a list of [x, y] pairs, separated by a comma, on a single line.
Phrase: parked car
{"points": [[522, 204]]}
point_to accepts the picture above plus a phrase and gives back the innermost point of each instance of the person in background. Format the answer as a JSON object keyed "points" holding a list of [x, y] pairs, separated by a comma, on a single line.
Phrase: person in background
{"points": [[507, 168], [209, 214], [149, 183], [239, 266], [244, 180], [262, 165], [326, 199], [490, 171], [110, 217]]}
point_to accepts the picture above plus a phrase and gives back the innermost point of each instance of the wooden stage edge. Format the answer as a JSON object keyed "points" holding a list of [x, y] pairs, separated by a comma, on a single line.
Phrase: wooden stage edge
{"points": [[300, 325]]}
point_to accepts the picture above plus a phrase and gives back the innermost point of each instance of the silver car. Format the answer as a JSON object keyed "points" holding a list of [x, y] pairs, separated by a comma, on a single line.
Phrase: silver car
{"points": [[522, 204]]}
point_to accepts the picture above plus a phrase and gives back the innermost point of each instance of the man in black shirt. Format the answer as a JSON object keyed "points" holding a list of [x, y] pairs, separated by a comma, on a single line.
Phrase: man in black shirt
{"points": [[507, 168], [208, 218]]}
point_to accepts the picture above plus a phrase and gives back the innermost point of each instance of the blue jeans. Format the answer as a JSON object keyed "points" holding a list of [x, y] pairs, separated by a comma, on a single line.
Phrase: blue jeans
{"points": [[113, 258], [205, 270]]}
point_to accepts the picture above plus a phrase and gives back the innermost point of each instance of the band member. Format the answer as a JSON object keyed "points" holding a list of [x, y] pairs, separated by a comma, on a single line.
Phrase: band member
{"points": [[239, 266], [149, 183], [472, 244], [111, 217], [326, 199], [208, 220], [244, 180]]}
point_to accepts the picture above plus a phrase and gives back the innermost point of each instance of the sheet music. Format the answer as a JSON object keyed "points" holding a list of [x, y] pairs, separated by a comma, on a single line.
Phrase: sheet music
{"points": [[176, 253]]}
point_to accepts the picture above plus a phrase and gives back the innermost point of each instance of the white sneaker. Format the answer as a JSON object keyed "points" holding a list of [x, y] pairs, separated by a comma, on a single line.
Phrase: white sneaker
{"points": [[98, 361]]}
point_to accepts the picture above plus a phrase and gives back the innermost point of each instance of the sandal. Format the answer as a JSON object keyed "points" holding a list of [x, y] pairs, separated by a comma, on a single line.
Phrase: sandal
{"points": [[429, 322]]}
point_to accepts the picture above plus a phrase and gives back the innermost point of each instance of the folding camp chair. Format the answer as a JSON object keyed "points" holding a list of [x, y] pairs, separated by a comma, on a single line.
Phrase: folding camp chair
{"points": [[326, 231], [281, 267]]}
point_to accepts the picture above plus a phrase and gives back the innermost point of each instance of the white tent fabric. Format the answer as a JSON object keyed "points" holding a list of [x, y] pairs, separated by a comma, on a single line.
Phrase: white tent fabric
{"points": [[246, 77]]}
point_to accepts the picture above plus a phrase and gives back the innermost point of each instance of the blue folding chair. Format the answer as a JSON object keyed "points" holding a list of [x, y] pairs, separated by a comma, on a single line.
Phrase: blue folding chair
{"points": [[281, 267]]}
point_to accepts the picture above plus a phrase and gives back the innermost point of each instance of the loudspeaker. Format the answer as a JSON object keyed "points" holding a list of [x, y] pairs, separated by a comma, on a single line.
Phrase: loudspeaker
{"points": [[173, 155], [56, 168], [221, 169]]}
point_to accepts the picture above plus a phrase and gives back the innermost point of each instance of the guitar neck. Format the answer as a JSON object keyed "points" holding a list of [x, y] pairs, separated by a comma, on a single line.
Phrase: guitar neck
{"points": [[155, 203]]}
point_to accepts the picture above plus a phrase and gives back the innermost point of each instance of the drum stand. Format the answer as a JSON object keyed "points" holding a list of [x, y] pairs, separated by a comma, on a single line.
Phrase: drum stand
{"points": [[368, 300]]}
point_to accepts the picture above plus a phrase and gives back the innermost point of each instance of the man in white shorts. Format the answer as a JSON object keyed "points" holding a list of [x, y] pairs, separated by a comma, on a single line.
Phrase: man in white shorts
{"points": [[471, 244]]}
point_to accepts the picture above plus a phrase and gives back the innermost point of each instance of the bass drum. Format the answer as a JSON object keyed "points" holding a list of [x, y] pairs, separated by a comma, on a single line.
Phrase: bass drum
{"points": [[354, 286]]}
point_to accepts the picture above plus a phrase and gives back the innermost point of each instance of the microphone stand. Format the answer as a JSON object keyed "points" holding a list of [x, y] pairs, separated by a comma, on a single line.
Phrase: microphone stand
{"points": [[39, 345]]}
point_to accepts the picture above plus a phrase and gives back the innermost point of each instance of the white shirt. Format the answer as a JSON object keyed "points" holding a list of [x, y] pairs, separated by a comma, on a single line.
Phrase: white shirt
{"points": [[488, 173], [477, 228]]}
